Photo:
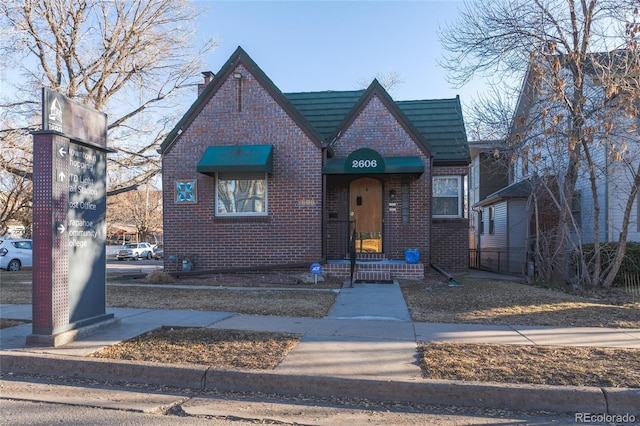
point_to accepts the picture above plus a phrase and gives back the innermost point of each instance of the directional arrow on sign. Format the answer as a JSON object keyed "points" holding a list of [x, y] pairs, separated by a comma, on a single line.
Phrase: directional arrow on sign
{"points": [[61, 176], [62, 151], [60, 228]]}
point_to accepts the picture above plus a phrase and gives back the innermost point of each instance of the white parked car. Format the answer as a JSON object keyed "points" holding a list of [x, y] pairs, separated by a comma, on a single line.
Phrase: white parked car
{"points": [[136, 251], [158, 251], [15, 253]]}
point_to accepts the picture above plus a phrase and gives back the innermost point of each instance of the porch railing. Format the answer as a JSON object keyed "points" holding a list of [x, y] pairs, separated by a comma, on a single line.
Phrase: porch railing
{"points": [[498, 260], [338, 237]]}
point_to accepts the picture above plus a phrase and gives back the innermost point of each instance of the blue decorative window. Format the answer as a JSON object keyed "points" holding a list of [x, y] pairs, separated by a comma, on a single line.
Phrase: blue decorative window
{"points": [[186, 191]]}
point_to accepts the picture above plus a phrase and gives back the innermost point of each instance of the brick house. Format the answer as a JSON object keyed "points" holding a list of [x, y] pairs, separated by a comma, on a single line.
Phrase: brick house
{"points": [[254, 177]]}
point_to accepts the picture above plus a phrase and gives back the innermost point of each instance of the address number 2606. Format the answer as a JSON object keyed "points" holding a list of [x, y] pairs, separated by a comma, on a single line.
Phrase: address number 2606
{"points": [[364, 164]]}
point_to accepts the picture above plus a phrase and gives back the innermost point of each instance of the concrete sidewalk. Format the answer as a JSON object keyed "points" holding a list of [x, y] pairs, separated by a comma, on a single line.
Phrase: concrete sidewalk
{"points": [[368, 339]]}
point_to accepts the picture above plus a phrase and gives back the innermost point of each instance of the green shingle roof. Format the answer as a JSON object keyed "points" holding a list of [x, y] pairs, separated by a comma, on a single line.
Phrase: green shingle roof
{"points": [[436, 125], [438, 121], [325, 111]]}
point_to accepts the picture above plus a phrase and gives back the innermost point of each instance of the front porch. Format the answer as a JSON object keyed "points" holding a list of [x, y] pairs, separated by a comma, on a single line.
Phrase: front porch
{"points": [[374, 267]]}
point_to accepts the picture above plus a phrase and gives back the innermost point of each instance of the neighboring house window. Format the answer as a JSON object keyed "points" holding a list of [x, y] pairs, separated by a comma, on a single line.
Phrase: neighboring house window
{"points": [[638, 211], [447, 196], [637, 102], [525, 162], [481, 222], [492, 220], [576, 208], [241, 194]]}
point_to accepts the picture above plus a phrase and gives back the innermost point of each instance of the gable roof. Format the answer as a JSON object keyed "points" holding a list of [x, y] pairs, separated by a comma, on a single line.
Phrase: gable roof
{"points": [[436, 125], [521, 189], [441, 124], [617, 63], [237, 58], [325, 111]]}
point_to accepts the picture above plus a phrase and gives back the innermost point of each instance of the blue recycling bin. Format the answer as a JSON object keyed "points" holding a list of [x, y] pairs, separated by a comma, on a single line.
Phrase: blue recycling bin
{"points": [[412, 255]]}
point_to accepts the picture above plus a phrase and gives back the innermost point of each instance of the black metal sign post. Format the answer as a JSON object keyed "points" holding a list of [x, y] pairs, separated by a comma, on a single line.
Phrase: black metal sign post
{"points": [[352, 254], [69, 221]]}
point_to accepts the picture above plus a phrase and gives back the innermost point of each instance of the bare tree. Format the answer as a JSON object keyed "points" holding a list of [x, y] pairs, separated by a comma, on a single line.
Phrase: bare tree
{"points": [[572, 105], [128, 58], [140, 209], [15, 184], [390, 80], [489, 116]]}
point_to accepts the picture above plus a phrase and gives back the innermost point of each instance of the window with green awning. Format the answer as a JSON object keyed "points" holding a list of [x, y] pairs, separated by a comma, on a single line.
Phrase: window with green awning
{"points": [[237, 158]]}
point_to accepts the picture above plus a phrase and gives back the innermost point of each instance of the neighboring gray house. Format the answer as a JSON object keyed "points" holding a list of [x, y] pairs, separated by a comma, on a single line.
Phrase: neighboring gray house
{"points": [[505, 219], [488, 173], [503, 232]]}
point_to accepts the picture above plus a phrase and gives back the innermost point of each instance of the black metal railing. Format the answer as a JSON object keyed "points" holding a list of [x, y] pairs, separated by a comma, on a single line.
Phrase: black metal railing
{"points": [[338, 238], [498, 260]]}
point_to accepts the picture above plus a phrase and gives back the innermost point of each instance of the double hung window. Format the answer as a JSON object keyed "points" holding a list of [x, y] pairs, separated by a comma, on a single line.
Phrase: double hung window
{"points": [[447, 196]]}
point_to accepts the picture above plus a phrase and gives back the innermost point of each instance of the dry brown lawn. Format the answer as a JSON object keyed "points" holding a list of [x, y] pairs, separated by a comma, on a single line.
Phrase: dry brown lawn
{"points": [[222, 348], [541, 365], [431, 300], [499, 302]]}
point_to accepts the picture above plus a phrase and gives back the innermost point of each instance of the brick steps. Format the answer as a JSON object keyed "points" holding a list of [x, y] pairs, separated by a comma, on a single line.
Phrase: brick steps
{"points": [[376, 270], [364, 275]]}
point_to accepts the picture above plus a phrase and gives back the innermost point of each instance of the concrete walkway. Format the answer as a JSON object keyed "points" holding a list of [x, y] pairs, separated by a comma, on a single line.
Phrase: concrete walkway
{"points": [[368, 335]]}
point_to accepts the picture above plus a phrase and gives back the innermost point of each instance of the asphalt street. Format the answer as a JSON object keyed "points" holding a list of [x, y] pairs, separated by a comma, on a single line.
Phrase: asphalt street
{"points": [[41, 400]]}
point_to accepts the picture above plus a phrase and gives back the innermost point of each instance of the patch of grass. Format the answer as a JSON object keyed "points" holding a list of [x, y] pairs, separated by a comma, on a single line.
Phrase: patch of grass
{"points": [[251, 302], [8, 323], [217, 348], [543, 365], [512, 303], [15, 289], [477, 301], [158, 277], [15, 277]]}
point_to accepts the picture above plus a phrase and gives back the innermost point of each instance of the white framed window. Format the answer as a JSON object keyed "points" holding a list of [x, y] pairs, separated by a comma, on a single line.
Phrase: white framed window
{"points": [[447, 196], [576, 208], [492, 220], [241, 194]]}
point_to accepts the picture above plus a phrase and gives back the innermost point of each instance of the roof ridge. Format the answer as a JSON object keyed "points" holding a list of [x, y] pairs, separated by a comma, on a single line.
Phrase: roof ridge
{"points": [[322, 114], [325, 91]]}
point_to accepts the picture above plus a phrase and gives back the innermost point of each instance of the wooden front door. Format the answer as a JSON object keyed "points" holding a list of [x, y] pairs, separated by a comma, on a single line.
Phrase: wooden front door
{"points": [[365, 206]]}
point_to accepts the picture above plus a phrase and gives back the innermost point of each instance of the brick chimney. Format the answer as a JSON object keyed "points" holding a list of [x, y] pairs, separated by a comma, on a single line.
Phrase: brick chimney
{"points": [[208, 76]]}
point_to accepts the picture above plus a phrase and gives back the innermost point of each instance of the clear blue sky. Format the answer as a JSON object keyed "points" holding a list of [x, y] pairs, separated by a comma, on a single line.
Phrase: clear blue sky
{"points": [[333, 45]]}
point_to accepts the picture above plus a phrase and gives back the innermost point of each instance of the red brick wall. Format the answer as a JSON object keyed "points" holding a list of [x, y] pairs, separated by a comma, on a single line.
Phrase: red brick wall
{"points": [[450, 237], [450, 244], [376, 128], [292, 230]]}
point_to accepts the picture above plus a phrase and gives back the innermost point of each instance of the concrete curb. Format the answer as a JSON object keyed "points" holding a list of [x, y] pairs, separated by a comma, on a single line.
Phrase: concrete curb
{"points": [[568, 399]]}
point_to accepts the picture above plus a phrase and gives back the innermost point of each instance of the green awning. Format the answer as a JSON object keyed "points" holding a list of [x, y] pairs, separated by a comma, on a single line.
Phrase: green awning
{"points": [[338, 166], [237, 158]]}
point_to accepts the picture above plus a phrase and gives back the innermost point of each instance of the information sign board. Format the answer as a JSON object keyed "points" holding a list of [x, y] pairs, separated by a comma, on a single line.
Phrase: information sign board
{"points": [[76, 121], [69, 216]]}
